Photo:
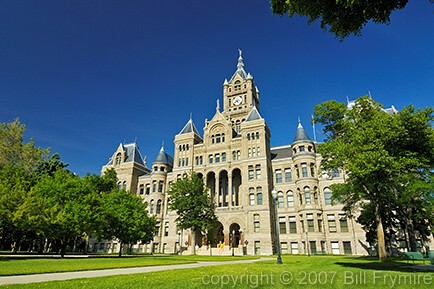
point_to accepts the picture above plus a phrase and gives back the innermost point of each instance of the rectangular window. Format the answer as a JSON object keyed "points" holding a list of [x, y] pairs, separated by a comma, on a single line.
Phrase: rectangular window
{"points": [[160, 186], [186, 161], [335, 247], [310, 226], [217, 158], [288, 175], [278, 176], [258, 172], [301, 149], [197, 160], [319, 225], [148, 189], [154, 186], [257, 247], [200, 160], [304, 170], [251, 173], [211, 158], [347, 248], [332, 223], [249, 152], [292, 225], [312, 170], [234, 155], [343, 223], [257, 228], [223, 157], [141, 189], [284, 247], [282, 225], [312, 245], [166, 229], [253, 152], [294, 248], [258, 151]]}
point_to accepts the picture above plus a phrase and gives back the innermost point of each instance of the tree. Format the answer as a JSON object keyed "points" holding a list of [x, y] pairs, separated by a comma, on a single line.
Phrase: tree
{"points": [[58, 208], [18, 160], [195, 208], [384, 155], [341, 17], [124, 216]]}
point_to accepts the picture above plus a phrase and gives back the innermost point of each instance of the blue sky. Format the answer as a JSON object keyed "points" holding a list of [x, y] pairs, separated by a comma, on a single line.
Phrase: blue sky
{"points": [[86, 75]]}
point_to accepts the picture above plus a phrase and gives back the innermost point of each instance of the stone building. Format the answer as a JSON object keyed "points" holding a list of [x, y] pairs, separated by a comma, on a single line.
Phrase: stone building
{"points": [[234, 157]]}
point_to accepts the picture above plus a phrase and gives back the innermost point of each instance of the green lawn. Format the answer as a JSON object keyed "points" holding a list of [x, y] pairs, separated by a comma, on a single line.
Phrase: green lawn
{"points": [[295, 272], [22, 266]]}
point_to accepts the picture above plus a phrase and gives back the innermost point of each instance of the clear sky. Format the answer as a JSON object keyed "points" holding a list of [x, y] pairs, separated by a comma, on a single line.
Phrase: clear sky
{"points": [[86, 75]]}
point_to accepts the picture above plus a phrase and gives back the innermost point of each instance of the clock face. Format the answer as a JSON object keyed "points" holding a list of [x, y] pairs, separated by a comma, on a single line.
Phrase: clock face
{"points": [[237, 100]]}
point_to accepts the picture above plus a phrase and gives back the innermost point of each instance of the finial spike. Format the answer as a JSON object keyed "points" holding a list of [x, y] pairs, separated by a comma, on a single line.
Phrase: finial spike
{"points": [[240, 52], [218, 105]]}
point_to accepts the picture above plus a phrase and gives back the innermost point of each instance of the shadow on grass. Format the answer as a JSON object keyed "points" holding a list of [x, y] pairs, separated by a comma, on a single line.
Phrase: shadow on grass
{"points": [[389, 265]]}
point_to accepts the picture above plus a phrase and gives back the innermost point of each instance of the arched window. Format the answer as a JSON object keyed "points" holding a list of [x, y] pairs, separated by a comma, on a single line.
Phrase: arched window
{"points": [[280, 200], [118, 159], [141, 189], [259, 195], [124, 185], [151, 206], [158, 208], [307, 197], [252, 199], [257, 135], [290, 198], [327, 196], [119, 186]]}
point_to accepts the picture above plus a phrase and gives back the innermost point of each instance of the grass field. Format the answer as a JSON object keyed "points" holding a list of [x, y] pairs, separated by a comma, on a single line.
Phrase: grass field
{"points": [[295, 272], [22, 266]]}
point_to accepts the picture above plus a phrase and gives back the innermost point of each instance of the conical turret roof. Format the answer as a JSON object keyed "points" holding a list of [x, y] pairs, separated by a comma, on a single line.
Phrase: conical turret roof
{"points": [[301, 134]]}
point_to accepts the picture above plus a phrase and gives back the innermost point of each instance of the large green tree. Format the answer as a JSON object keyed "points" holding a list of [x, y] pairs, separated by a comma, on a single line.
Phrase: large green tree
{"points": [[18, 160], [195, 208], [124, 216], [58, 208], [340, 17], [384, 156]]}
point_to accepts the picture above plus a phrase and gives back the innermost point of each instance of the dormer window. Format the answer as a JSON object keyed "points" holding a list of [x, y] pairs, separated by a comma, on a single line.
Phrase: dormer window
{"points": [[118, 159]]}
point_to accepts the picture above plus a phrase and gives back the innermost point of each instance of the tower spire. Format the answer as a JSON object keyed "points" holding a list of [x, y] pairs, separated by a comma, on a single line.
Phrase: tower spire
{"points": [[240, 64]]}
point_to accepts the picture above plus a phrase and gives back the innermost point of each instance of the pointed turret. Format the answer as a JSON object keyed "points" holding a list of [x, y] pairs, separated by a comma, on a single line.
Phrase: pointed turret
{"points": [[189, 127], [163, 158], [301, 134]]}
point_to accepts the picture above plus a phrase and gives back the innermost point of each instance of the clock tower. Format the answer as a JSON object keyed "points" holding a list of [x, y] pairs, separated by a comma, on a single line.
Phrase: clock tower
{"points": [[240, 95]]}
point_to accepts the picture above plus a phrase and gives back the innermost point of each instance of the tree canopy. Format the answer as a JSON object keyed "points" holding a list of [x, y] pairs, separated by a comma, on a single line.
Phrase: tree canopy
{"points": [[389, 161], [340, 17], [194, 206], [45, 207]]}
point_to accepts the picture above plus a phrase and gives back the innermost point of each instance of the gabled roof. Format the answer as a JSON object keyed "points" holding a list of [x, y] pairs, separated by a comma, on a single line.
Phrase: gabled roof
{"points": [[132, 154], [189, 127], [301, 134], [163, 158], [254, 114]]}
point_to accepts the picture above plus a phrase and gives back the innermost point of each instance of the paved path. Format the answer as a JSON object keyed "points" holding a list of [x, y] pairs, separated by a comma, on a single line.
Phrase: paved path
{"points": [[24, 279]]}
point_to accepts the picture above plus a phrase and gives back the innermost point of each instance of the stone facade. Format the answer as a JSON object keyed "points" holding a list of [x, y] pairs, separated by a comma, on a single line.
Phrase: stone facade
{"points": [[240, 168]]}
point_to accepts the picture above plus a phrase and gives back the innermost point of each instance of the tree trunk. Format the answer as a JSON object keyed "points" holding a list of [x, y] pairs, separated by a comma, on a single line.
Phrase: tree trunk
{"points": [[382, 254], [120, 249]]}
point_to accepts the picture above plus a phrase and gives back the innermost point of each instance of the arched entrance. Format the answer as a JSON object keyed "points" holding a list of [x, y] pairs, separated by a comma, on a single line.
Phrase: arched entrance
{"points": [[217, 236], [234, 235]]}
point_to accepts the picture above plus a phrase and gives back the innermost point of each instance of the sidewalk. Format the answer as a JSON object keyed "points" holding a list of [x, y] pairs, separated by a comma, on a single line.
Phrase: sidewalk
{"points": [[24, 279]]}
